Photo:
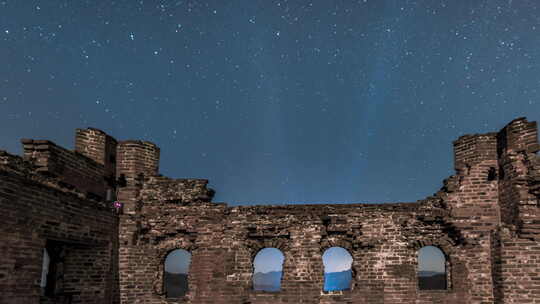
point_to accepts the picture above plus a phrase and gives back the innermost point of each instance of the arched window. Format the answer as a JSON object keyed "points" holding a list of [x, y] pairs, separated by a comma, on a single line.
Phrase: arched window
{"points": [[175, 276], [337, 269], [268, 269], [431, 269]]}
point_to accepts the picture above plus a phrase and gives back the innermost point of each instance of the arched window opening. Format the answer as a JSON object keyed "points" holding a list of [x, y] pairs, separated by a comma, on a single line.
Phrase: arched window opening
{"points": [[337, 269], [431, 269], [175, 276], [268, 269]]}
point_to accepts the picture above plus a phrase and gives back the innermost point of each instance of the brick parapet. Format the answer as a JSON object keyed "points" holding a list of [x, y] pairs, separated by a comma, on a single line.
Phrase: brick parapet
{"points": [[472, 149], [136, 157], [182, 190], [518, 135], [99, 146], [70, 167], [24, 169]]}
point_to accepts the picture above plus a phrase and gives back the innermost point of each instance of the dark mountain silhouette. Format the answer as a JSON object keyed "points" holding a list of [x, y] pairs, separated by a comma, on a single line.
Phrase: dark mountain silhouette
{"points": [[176, 284], [431, 280], [337, 280], [268, 281]]}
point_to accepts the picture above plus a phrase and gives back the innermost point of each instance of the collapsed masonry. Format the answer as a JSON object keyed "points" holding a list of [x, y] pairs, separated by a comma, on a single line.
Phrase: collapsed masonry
{"points": [[485, 218]]}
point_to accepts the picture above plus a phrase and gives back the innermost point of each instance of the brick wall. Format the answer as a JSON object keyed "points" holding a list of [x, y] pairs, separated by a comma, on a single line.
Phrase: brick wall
{"points": [[71, 168], [463, 219], [485, 218], [36, 210], [517, 250], [98, 146], [382, 239]]}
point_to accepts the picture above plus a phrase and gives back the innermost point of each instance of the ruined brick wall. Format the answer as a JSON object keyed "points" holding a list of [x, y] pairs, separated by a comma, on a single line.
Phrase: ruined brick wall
{"points": [[517, 251], [468, 219], [158, 226], [485, 218], [37, 210], [135, 159], [382, 239], [471, 198]]}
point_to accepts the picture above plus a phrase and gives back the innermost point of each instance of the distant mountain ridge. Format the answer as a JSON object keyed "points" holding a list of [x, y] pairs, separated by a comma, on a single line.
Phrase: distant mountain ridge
{"points": [[337, 280], [426, 273], [271, 281], [267, 281]]}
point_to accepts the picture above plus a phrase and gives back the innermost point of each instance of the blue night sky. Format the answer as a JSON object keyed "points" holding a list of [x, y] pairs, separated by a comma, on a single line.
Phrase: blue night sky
{"points": [[178, 261], [268, 259], [274, 101]]}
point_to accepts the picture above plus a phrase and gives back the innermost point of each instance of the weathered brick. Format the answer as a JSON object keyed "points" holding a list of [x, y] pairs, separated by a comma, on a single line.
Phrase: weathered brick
{"points": [[485, 219]]}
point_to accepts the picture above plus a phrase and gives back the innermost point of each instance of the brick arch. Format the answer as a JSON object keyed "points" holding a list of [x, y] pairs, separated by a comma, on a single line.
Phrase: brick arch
{"points": [[251, 287], [445, 244], [446, 250], [336, 242], [348, 246], [163, 251], [254, 246]]}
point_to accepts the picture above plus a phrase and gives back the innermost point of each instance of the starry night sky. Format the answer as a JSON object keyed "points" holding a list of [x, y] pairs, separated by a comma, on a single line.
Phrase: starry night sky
{"points": [[274, 101]]}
